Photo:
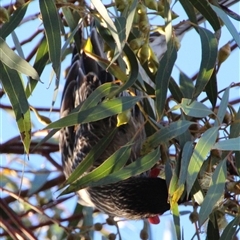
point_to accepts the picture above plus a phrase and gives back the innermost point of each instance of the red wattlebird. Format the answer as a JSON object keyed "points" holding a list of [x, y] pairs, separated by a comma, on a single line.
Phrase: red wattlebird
{"points": [[135, 198]]}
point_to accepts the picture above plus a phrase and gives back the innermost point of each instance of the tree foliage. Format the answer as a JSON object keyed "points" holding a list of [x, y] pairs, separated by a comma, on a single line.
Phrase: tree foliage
{"points": [[192, 125]]}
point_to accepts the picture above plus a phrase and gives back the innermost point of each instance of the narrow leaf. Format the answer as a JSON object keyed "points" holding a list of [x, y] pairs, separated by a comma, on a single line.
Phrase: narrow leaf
{"points": [[162, 78], [134, 72], [175, 90], [41, 61], [176, 220], [209, 56], [214, 192], [13, 61], [101, 111], [130, 17], [194, 108], [12, 85], [98, 94], [94, 153], [235, 126], [232, 144], [204, 8], [105, 64], [14, 21], [111, 26], [230, 230], [115, 162], [165, 134], [139, 166], [212, 89], [228, 24], [222, 108], [185, 159], [186, 85], [52, 30], [199, 155]]}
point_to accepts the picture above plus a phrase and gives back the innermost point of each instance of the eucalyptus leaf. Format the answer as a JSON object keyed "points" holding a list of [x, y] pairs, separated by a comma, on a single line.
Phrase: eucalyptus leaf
{"points": [[214, 193], [201, 150], [232, 144], [209, 56], [101, 111], [194, 108], [13, 61]]}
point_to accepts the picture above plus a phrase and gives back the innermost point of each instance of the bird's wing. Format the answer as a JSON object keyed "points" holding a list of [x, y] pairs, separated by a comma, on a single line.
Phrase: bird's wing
{"points": [[84, 76]]}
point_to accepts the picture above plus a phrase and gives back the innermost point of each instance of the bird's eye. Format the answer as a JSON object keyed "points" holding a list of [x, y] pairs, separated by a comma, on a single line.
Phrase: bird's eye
{"points": [[151, 39]]}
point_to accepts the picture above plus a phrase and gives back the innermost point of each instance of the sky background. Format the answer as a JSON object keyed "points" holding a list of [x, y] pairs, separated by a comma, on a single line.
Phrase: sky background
{"points": [[189, 57]]}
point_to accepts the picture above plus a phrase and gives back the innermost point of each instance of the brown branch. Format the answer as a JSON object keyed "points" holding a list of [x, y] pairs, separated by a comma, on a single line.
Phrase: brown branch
{"points": [[15, 220], [39, 109], [53, 162], [49, 184], [12, 232], [18, 148]]}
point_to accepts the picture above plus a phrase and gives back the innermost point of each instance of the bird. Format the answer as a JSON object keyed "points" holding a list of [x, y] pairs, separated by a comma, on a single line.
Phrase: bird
{"points": [[137, 197]]}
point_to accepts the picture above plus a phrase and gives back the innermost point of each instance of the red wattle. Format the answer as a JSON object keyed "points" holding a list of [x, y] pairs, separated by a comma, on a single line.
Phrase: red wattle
{"points": [[154, 172], [154, 220]]}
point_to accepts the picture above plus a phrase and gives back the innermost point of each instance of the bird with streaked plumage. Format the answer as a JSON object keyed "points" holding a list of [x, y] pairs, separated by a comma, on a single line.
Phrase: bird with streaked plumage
{"points": [[143, 196]]}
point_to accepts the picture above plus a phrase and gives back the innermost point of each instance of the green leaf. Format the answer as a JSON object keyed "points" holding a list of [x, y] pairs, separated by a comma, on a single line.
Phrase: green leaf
{"points": [[235, 126], [98, 94], [189, 9], [105, 64], [212, 89], [13, 61], [114, 163], [130, 17], [101, 111], [212, 228], [120, 23], [137, 167], [176, 220], [202, 148], [41, 61], [222, 108], [185, 159], [175, 90], [134, 72], [194, 109], [165, 134], [232, 144], [94, 153], [52, 30], [228, 24], [209, 56], [17, 45], [14, 21], [73, 20], [214, 192], [162, 78], [12, 85], [231, 229], [186, 85], [110, 24], [204, 8]]}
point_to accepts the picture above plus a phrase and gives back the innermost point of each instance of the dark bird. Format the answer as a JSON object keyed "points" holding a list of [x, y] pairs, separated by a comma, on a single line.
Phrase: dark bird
{"points": [[135, 198]]}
